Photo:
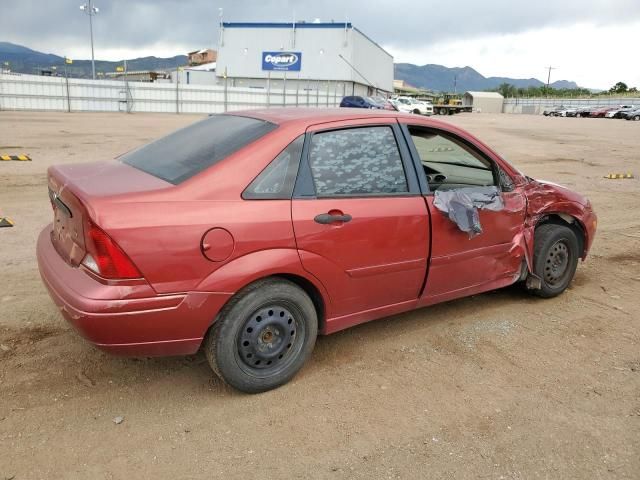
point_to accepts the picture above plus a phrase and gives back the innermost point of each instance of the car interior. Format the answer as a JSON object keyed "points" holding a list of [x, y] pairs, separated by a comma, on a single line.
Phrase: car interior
{"points": [[448, 163]]}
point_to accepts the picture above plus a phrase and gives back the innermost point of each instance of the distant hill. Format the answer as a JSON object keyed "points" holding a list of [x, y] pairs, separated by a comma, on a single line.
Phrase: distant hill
{"points": [[24, 60], [432, 77], [441, 78]]}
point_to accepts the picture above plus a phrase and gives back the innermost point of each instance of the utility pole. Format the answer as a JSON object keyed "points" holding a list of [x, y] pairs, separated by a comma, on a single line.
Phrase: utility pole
{"points": [[90, 10], [549, 77]]}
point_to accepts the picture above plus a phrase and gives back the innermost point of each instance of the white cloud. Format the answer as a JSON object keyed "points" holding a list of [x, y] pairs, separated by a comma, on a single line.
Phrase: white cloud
{"points": [[594, 56]]}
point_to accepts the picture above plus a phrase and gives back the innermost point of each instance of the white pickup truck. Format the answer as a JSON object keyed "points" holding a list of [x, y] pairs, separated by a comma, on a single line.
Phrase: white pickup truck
{"points": [[411, 105]]}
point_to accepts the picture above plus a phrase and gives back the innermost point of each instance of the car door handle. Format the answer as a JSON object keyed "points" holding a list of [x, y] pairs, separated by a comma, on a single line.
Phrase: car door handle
{"points": [[328, 218]]}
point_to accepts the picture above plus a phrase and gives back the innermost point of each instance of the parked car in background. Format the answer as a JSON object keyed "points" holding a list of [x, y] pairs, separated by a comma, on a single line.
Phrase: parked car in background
{"points": [[384, 103], [633, 114], [586, 111], [617, 112], [248, 234], [601, 112], [566, 112], [411, 105], [573, 112], [354, 101], [551, 111]]}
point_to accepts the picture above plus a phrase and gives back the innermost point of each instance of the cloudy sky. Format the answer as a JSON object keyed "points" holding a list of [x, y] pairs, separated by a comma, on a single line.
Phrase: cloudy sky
{"points": [[592, 42]]}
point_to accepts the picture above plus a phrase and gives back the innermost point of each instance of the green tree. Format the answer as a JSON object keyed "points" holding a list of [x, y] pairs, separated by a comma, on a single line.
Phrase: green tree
{"points": [[619, 87], [507, 90]]}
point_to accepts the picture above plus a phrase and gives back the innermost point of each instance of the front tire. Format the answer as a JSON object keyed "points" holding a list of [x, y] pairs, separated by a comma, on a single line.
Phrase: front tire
{"points": [[555, 258], [263, 336]]}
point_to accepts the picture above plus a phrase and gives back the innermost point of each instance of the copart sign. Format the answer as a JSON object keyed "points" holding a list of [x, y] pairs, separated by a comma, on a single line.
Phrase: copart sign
{"points": [[282, 61]]}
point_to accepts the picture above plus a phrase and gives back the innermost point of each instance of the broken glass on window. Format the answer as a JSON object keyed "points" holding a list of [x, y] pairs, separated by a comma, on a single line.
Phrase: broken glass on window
{"points": [[462, 204]]}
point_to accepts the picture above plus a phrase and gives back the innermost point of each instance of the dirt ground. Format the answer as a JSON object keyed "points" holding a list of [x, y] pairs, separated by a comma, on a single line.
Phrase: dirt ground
{"points": [[500, 385]]}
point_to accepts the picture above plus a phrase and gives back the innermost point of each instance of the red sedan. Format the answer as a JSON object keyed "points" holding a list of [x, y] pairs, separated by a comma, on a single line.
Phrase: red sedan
{"points": [[601, 112], [248, 234]]}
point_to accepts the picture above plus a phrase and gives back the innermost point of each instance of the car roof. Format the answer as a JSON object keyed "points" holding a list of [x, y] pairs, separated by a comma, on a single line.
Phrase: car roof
{"points": [[311, 116]]}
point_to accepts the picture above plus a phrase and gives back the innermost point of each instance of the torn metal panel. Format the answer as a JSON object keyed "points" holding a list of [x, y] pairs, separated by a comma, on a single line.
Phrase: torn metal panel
{"points": [[461, 206]]}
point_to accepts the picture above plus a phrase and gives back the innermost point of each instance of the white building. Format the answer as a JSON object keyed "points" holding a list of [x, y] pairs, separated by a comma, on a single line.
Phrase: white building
{"points": [[484, 102], [203, 74], [334, 56]]}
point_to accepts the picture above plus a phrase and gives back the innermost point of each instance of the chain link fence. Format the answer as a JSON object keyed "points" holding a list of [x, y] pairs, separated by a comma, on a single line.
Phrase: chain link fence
{"points": [[536, 105]]}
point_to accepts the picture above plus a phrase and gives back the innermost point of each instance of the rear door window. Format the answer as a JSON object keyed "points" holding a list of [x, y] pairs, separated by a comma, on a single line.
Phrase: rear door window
{"points": [[356, 162], [187, 152]]}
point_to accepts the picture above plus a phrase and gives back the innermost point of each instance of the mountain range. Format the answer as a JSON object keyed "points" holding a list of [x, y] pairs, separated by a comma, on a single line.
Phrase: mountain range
{"points": [[433, 77], [24, 60], [440, 78]]}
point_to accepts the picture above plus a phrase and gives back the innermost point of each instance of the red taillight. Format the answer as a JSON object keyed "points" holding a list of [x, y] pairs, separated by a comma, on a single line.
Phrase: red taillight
{"points": [[105, 257]]}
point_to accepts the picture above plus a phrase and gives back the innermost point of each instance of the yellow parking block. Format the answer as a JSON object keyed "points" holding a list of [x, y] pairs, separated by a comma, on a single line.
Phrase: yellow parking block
{"points": [[19, 158], [618, 176], [5, 222]]}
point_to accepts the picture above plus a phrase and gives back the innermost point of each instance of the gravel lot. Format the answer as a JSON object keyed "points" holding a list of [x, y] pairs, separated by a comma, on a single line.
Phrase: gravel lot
{"points": [[499, 385]]}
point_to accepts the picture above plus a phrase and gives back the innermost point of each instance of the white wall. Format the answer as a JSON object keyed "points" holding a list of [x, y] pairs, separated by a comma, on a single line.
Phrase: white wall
{"points": [[310, 41], [32, 92], [375, 64], [240, 53]]}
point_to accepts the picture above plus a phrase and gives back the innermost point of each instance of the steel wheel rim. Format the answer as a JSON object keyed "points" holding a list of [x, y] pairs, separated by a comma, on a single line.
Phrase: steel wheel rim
{"points": [[270, 340], [556, 266]]}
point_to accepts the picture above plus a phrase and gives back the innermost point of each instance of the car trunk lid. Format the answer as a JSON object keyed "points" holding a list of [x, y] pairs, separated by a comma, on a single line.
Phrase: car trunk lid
{"points": [[75, 190]]}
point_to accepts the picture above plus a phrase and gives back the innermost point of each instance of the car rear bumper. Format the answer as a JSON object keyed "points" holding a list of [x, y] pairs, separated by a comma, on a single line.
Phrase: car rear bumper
{"points": [[127, 320]]}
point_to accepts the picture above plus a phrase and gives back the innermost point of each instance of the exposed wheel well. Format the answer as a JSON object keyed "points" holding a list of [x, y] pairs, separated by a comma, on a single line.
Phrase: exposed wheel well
{"points": [[568, 221], [314, 294], [309, 288]]}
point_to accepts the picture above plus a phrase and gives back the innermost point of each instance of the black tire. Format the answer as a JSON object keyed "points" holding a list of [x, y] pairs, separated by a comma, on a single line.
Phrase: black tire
{"points": [[636, 117], [263, 336], [555, 258]]}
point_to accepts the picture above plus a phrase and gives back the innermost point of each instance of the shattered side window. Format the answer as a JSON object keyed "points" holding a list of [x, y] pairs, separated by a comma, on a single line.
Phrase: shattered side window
{"points": [[449, 163], [461, 206]]}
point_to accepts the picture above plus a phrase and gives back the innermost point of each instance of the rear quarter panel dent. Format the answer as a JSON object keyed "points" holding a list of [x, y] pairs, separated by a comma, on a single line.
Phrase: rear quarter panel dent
{"points": [[241, 271]]}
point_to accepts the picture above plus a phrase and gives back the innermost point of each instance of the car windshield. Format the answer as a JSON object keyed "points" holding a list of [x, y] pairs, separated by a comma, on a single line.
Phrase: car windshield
{"points": [[187, 152]]}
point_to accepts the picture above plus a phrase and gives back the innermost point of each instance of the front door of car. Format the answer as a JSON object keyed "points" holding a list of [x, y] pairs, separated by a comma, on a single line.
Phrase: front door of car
{"points": [[360, 222], [461, 265]]}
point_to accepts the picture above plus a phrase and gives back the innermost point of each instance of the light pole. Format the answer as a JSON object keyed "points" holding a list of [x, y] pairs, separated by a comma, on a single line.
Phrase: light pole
{"points": [[90, 10]]}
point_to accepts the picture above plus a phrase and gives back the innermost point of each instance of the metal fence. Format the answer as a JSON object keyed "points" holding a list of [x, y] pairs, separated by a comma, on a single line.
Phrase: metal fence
{"points": [[32, 92], [536, 105]]}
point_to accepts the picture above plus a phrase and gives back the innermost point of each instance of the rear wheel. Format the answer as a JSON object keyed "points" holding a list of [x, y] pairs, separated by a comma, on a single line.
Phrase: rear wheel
{"points": [[263, 336], [636, 118], [555, 258]]}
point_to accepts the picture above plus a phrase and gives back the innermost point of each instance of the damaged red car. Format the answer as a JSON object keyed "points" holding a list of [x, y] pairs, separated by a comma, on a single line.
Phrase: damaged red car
{"points": [[248, 234]]}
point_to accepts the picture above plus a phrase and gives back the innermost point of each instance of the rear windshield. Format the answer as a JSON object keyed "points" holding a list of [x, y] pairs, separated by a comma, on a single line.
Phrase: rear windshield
{"points": [[187, 152]]}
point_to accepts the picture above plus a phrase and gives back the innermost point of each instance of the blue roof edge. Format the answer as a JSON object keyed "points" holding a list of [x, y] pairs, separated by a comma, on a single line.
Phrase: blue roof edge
{"points": [[285, 25]]}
